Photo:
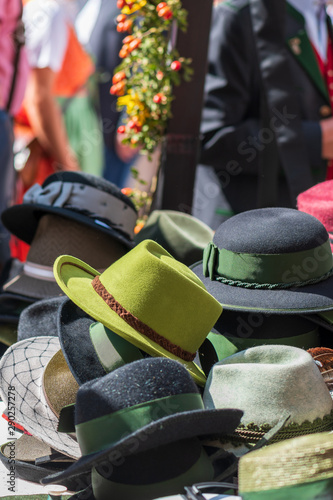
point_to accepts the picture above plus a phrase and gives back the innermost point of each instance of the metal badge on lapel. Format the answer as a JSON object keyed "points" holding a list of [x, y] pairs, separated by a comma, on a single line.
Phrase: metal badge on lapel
{"points": [[295, 45]]}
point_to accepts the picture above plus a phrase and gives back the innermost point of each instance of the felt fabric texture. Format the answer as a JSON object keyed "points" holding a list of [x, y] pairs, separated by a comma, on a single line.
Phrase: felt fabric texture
{"points": [[318, 201], [77, 333], [266, 381], [279, 234], [22, 220], [40, 319], [141, 383], [23, 366], [54, 236], [301, 461], [181, 234], [159, 291]]}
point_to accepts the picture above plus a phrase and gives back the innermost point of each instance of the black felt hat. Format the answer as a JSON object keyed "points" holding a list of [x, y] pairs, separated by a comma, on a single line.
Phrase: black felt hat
{"points": [[141, 406], [235, 331], [274, 260], [91, 350], [40, 319], [85, 198]]}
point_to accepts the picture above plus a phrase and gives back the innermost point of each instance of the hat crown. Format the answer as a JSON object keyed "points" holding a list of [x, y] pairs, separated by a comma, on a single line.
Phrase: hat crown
{"points": [[162, 293], [89, 180], [135, 383], [270, 231]]}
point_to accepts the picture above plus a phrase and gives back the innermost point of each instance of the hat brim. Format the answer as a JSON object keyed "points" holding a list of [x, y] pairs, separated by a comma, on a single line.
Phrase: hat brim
{"points": [[164, 431], [22, 366], [22, 221], [32, 287], [297, 300], [74, 278], [26, 447], [82, 360]]}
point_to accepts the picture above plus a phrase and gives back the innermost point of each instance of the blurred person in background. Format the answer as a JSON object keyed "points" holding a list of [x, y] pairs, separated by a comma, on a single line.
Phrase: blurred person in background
{"points": [[57, 119], [13, 77], [248, 139]]}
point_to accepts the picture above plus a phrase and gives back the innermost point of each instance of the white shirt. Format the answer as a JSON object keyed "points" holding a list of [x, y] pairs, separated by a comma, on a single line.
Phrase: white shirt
{"points": [[46, 33], [316, 31]]}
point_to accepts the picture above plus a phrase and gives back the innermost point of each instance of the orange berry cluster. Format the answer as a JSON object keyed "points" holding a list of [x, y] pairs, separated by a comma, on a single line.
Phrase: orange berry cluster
{"points": [[163, 10], [122, 3], [118, 84], [130, 43], [124, 23], [133, 124]]}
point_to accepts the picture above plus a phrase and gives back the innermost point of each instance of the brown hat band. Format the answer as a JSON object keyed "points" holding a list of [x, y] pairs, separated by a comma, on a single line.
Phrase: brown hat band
{"points": [[138, 325]]}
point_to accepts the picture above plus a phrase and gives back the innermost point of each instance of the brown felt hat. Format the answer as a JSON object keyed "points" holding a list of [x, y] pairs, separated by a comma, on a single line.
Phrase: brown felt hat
{"points": [[57, 235]]}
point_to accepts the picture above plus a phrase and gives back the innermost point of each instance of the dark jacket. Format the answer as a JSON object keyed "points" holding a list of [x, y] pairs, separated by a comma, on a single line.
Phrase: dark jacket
{"points": [[234, 134]]}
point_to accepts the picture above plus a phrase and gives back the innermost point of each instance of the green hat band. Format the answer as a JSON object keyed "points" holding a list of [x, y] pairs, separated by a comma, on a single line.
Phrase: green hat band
{"points": [[319, 490], [104, 489], [138, 325], [252, 433], [112, 350], [102, 432], [268, 271]]}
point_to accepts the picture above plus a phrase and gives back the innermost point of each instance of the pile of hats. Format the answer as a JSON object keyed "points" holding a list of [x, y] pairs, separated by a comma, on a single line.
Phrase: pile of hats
{"points": [[147, 365]]}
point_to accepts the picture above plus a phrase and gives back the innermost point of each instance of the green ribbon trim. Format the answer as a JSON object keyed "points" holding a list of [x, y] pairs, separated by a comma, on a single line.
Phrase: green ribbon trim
{"points": [[251, 433], [102, 432], [104, 489], [268, 270], [319, 490], [112, 350], [226, 346]]}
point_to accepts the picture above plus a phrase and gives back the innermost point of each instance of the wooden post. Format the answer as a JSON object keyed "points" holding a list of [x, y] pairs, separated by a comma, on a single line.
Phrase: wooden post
{"points": [[180, 150]]}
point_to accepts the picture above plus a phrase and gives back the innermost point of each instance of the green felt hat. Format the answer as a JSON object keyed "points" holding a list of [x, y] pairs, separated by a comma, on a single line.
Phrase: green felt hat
{"points": [[182, 235], [266, 382], [299, 468], [148, 298]]}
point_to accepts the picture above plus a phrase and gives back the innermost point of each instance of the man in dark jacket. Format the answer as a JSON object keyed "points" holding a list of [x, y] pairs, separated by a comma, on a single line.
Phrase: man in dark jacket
{"points": [[267, 120]]}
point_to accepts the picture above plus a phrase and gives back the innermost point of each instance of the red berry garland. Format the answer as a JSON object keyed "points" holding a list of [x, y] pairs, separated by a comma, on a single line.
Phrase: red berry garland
{"points": [[149, 69]]}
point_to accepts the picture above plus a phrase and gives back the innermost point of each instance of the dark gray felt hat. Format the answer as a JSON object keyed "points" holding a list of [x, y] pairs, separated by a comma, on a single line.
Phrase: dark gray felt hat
{"points": [[91, 350], [141, 406], [40, 319], [85, 198], [274, 260]]}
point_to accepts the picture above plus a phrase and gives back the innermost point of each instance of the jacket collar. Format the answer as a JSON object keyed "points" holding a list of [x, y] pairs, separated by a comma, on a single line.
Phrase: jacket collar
{"points": [[301, 48]]}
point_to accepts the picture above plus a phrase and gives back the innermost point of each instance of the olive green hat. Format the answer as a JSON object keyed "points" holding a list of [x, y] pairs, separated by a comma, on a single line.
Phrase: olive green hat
{"points": [[148, 298], [182, 235]]}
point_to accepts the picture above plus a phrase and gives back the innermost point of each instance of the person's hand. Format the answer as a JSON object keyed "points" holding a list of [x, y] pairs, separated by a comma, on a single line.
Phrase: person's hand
{"points": [[70, 162], [327, 138]]}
